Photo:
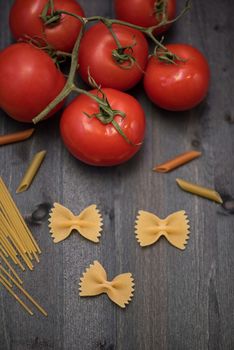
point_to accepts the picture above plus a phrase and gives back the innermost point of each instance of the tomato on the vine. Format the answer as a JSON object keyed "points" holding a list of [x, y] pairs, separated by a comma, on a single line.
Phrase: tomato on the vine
{"points": [[95, 142], [100, 55], [180, 85], [61, 35], [29, 81], [145, 13]]}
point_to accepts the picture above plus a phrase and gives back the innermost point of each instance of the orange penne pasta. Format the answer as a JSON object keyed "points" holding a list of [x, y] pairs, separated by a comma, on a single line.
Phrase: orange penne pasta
{"points": [[16, 137], [177, 161]]}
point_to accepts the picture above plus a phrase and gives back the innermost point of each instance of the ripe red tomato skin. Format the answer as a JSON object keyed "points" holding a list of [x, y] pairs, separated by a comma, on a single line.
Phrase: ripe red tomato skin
{"points": [[29, 81], [96, 54], [95, 143], [141, 13], [180, 86], [24, 20]]}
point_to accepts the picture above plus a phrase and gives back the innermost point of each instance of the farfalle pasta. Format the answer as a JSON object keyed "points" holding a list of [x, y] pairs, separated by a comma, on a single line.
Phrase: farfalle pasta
{"points": [[175, 228], [62, 222], [94, 282]]}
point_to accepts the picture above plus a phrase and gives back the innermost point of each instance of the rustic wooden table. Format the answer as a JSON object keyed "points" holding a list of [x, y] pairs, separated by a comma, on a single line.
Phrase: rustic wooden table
{"points": [[183, 300]]}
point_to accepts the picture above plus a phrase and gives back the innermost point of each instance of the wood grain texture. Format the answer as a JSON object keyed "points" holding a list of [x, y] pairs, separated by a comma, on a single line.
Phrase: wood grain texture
{"points": [[183, 300]]}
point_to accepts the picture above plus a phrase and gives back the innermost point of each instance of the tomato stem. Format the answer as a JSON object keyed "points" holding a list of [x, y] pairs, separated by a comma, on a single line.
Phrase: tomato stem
{"points": [[50, 15], [51, 2], [160, 7], [106, 114], [108, 24], [70, 81], [63, 53], [148, 31], [121, 55]]}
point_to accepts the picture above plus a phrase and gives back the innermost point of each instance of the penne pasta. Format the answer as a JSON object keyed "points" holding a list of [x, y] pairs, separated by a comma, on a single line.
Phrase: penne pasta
{"points": [[31, 171], [176, 162], [199, 190], [16, 137]]}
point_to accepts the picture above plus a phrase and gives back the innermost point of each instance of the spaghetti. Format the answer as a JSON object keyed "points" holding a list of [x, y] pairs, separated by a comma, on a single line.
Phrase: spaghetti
{"points": [[16, 244]]}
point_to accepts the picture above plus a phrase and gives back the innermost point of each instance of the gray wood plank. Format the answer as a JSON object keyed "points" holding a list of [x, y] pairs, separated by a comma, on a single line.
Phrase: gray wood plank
{"points": [[183, 300]]}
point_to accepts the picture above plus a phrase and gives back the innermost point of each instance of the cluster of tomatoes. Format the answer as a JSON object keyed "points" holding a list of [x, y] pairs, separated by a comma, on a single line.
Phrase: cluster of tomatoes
{"points": [[116, 56]]}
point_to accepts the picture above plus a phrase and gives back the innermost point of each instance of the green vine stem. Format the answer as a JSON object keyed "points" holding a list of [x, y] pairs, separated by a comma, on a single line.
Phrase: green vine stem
{"points": [[148, 31], [70, 81], [51, 3], [121, 54], [160, 8], [57, 56], [70, 84], [106, 114], [164, 11]]}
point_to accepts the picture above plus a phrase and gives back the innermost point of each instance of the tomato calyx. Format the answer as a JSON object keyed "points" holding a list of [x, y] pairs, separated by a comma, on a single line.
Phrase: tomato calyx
{"points": [[166, 56], [40, 43], [169, 57], [123, 56], [106, 114], [160, 7], [49, 16]]}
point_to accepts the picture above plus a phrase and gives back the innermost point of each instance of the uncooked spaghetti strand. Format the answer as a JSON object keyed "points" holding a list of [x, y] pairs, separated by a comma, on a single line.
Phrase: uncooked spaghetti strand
{"points": [[19, 251], [5, 280], [7, 242], [18, 241], [8, 220], [4, 252], [13, 257], [20, 219], [36, 257], [24, 257], [11, 222], [8, 246], [10, 268], [18, 231], [15, 242], [16, 296], [24, 292]]}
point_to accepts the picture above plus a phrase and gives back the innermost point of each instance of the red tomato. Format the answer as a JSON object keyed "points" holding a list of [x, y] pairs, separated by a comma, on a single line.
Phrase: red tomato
{"points": [[143, 12], [95, 143], [180, 86], [25, 20], [29, 81], [96, 54]]}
